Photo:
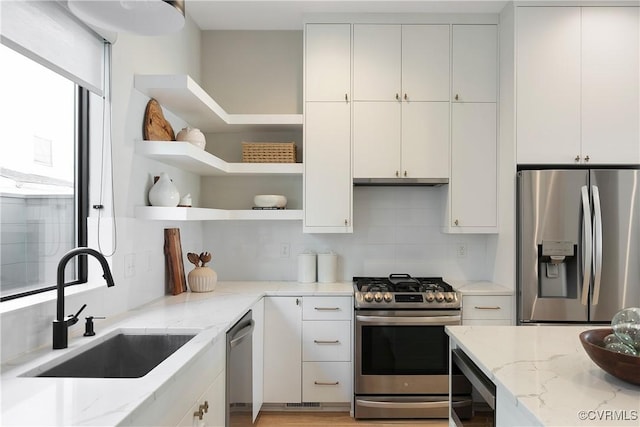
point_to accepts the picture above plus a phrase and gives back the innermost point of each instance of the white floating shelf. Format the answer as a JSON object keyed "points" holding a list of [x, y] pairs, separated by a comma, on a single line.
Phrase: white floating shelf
{"points": [[190, 158], [203, 214], [186, 99]]}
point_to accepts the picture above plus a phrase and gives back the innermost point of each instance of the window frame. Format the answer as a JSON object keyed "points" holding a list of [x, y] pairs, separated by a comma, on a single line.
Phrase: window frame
{"points": [[81, 192]]}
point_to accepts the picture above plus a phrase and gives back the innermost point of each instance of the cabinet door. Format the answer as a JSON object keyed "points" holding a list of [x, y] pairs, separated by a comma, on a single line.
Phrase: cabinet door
{"points": [[548, 84], [283, 350], [327, 167], [425, 139], [376, 62], [376, 139], [327, 62], [258, 356], [425, 62], [611, 84], [475, 62], [473, 186]]}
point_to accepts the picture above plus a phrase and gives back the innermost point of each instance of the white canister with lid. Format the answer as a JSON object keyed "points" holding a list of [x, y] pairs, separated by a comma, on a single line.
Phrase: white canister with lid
{"points": [[327, 267], [307, 267]]}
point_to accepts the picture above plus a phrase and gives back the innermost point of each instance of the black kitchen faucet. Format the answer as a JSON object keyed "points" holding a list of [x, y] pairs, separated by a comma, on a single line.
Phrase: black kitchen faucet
{"points": [[61, 325]]}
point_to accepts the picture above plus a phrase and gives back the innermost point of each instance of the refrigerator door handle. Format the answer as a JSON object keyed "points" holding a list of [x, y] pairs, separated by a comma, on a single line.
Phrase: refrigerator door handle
{"points": [[597, 244], [587, 244]]}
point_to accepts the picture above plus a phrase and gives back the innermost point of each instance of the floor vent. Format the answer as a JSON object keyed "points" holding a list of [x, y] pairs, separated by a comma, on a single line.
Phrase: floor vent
{"points": [[303, 405]]}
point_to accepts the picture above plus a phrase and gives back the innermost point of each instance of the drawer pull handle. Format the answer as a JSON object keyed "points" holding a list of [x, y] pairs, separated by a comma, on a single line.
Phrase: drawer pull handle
{"points": [[326, 342], [327, 308], [487, 308], [324, 383]]}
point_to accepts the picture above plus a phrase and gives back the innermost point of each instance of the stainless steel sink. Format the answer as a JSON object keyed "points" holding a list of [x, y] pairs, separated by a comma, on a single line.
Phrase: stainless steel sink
{"points": [[121, 356]]}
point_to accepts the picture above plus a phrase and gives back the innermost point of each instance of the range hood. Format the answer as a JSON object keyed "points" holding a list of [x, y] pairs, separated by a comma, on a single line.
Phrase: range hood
{"points": [[398, 182]]}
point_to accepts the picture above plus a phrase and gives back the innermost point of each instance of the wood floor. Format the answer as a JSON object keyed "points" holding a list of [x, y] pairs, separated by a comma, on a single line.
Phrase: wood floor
{"points": [[334, 419]]}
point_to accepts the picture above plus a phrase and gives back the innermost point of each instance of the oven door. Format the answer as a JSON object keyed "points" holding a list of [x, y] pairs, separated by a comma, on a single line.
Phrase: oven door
{"points": [[402, 352]]}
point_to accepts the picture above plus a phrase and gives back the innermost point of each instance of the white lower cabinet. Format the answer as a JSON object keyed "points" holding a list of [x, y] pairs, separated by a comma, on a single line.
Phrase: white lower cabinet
{"points": [[487, 310], [209, 410], [258, 356], [307, 349], [327, 382]]}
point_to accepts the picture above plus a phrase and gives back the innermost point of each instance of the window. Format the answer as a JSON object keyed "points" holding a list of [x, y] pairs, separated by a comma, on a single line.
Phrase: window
{"points": [[43, 175]]}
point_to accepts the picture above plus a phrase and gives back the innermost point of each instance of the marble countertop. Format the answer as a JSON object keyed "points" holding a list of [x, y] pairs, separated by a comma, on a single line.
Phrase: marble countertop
{"points": [[92, 402], [548, 376], [479, 287]]}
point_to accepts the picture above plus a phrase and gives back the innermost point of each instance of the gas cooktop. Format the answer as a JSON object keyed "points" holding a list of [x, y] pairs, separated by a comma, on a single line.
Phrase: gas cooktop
{"points": [[401, 291]]}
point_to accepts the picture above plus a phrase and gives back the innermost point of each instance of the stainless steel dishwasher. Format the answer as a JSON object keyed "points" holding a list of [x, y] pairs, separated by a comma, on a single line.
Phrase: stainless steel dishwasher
{"points": [[239, 392]]}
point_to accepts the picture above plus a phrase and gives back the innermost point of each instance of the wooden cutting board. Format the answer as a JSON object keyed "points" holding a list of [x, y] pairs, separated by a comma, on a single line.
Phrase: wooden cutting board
{"points": [[176, 282], [156, 127]]}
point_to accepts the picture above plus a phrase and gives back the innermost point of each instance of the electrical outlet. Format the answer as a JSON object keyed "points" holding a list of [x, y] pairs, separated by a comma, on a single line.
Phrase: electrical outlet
{"points": [[129, 265], [284, 250], [461, 250]]}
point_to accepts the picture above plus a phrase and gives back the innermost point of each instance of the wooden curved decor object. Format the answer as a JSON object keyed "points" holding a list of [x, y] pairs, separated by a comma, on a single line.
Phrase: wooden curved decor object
{"points": [[156, 127]]}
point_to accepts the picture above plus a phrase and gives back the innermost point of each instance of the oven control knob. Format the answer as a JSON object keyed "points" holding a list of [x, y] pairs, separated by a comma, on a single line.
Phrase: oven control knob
{"points": [[449, 296], [368, 297], [378, 296], [430, 297], [388, 297], [439, 296]]}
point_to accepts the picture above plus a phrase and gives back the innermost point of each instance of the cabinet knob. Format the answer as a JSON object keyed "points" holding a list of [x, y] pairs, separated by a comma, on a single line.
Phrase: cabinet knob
{"points": [[405, 174], [346, 97], [456, 97], [397, 173], [297, 301], [397, 97], [199, 414], [406, 97], [577, 159], [346, 222], [205, 406], [586, 158], [455, 222]]}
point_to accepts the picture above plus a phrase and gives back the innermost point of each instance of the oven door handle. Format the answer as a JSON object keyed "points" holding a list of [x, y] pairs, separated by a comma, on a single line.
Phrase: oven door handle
{"points": [[400, 320], [402, 405]]}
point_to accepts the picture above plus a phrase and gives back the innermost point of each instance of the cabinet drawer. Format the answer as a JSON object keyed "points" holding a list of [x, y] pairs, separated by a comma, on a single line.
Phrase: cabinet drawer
{"points": [[325, 341], [487, 307], [326, 382], [327, 308]]}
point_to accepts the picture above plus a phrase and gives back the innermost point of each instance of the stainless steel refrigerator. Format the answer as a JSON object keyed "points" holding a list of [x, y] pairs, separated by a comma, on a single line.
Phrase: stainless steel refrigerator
{"points": [[578, 243]]}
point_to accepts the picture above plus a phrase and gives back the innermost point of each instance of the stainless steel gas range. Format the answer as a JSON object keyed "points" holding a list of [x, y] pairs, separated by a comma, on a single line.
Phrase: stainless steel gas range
{"points": [[402, 351]]}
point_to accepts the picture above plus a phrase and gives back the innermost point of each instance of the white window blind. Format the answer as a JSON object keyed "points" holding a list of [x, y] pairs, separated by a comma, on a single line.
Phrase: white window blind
{"points": [[49, 34]]}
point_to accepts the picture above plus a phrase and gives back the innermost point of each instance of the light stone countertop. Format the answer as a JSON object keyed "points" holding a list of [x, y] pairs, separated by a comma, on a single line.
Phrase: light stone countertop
{"points": [[479, 287], [548, 376], [108, 402]]}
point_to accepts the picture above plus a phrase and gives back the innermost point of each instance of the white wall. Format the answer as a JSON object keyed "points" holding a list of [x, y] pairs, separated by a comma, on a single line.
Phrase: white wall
{"points": [[28, 326], [396, 230]]}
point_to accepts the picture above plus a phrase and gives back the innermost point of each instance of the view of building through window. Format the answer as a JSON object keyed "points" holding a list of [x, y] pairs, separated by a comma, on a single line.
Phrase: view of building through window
{"points": [[37, 167]]}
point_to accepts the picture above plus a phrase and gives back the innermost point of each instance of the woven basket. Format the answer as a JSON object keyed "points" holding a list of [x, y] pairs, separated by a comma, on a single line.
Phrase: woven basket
{"points": [[269, 152]]}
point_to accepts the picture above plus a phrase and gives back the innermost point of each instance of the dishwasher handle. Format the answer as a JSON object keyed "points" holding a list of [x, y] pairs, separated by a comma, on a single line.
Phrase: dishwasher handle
{"points": [[242, 334]]}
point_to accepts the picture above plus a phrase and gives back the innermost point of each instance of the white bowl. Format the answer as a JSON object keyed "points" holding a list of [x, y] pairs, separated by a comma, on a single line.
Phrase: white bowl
{"points": [[270, 201], [192, 135]]}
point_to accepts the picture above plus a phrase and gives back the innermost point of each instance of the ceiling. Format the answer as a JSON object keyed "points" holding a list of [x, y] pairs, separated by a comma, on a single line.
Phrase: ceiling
{"points": [[288, 14]]}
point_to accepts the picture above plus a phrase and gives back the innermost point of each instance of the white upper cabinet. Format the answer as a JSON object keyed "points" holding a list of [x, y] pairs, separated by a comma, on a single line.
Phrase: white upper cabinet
{"points": [[578, 85], [327, 168], [425, 62], [475, 61], [548, 84], [327, 129], [328, 62], [611, 84], [401, 101], [473, 186], [376, 62]]}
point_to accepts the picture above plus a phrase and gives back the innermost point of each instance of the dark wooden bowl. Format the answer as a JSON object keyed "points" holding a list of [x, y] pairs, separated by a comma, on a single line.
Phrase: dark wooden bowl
{"points": [[622, 366]]}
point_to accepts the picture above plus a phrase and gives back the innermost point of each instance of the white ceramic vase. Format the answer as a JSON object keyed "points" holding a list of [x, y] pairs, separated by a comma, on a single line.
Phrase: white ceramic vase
{"points": [[164, 192], [192, 135], [202, 279]]}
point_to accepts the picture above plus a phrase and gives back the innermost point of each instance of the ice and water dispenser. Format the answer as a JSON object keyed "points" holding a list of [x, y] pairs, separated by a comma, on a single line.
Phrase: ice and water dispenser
{"points": [[557, 269]]}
